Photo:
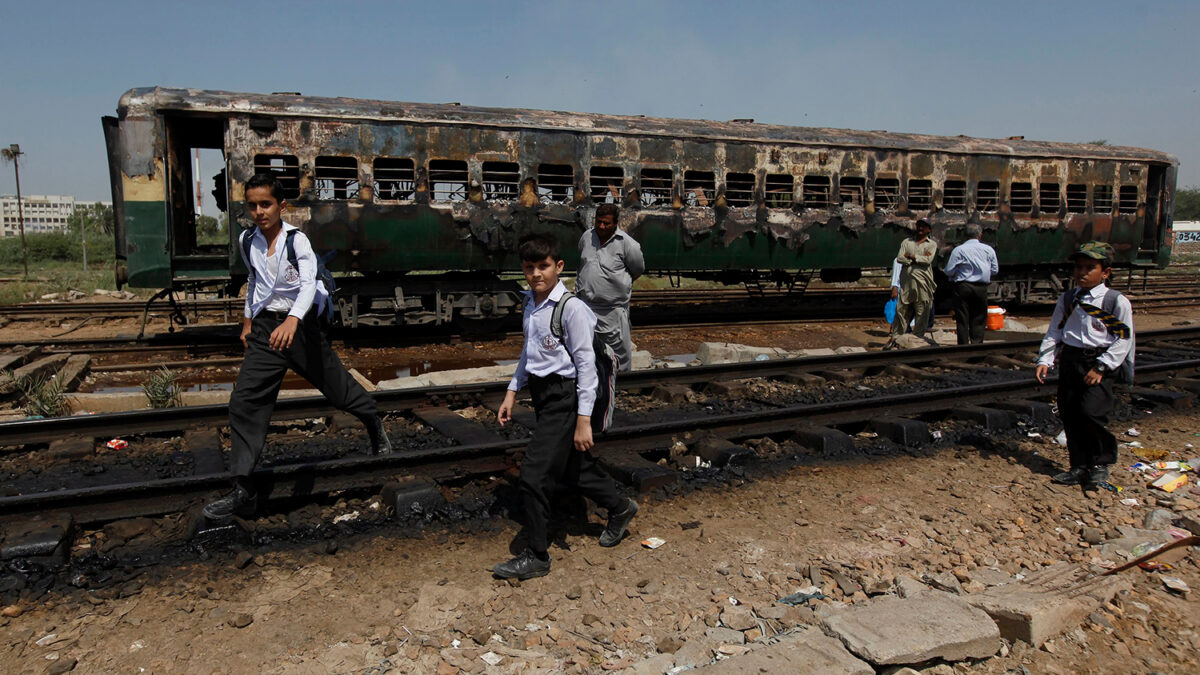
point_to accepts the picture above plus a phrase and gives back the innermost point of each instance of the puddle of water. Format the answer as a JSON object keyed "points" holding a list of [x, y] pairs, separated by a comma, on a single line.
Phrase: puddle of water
{"points": [[387, 371]]}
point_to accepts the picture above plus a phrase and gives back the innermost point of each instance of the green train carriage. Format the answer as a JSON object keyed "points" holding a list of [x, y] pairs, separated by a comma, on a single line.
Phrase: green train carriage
{"points": [[424, 203]]}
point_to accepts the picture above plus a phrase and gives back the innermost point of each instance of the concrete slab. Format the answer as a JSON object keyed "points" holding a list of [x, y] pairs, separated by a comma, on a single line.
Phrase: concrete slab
{"points": [[901, 430], [642, 360], [1165, 397], [1048, 602], [721, 452], [807, 652], [43, 539], [1038, 411], [825, 441], [802, 378], [74, 370], [729, 390], [412, 498], [18, 356], [362, 379], [637, 471], [893, 631], [673, 394], [992, 419]]}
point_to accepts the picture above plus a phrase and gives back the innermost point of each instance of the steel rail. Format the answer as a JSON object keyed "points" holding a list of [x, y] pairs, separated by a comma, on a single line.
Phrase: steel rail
{"points": [[172, 419], [156, 497]]}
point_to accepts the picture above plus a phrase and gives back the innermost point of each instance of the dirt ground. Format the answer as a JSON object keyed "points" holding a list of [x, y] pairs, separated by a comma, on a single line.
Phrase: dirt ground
{"points": [[419, 598]]}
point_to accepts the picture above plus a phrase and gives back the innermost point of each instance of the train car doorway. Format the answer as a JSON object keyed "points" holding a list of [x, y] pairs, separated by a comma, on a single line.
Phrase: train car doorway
{"points": [[197, 203]]}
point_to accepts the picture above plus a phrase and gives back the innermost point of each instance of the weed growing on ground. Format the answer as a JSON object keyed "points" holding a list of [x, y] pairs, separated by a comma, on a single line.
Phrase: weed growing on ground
{"points": [[41, 395], [162, 389]]}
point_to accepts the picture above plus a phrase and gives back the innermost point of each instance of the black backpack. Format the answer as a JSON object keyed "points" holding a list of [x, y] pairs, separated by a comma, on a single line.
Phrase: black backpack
{"points": [[1123, 374], [325, 313], [606, 369]]}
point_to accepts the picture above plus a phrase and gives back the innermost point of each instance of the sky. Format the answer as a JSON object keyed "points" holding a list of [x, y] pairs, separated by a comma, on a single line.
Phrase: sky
{"points": [[1126, 72]]}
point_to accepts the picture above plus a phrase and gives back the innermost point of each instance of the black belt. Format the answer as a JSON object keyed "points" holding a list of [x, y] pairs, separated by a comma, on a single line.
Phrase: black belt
{"points": [[973, 283], [1089, 352], [550, 379], [274, 314]]}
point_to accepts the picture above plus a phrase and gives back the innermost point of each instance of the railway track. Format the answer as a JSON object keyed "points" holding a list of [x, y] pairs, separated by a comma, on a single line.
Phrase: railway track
{"points": [[965, 378]]}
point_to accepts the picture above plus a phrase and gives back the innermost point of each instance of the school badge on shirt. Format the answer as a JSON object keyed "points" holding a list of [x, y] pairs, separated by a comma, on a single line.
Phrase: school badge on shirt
{"points": [[549, 343], [290, 275]]}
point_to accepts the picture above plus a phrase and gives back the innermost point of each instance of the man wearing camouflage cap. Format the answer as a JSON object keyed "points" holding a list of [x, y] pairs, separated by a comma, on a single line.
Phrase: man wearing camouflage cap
{"points": [[1091, 339]]}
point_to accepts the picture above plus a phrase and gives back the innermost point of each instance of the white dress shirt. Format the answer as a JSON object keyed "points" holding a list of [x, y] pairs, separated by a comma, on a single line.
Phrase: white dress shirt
{"points": [[1087, 332], [543, 354], [274, 284], [972, 260]]}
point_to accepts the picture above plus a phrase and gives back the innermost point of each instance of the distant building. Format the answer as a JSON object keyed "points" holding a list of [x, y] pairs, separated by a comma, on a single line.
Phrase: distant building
{"points": [[43, 213]]}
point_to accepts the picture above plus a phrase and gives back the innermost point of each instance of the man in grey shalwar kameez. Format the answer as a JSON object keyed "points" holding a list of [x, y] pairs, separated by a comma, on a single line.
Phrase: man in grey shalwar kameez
{"points": [[916, 282], [609, 261]]}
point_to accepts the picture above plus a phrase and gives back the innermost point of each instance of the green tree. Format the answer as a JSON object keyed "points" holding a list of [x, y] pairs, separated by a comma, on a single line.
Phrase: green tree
{"points": [[97, 218], [1187, 204], [209, 230]]}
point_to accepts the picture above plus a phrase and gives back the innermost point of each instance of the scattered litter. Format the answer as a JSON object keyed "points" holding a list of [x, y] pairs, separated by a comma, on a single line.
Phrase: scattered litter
{"points": [[353, 515], [1129, 501], [46, 640], [492, 658], [1148, 454], [1033, 434], [653, 542], [1176, 584], [455, 643], [1132, 432], [1061, 438], [1157, 566], [937, 435], [1170, 481], [733, 601], [117, 444], [1110, 487], [1133, 444], [802, 596], [1141, 467]]}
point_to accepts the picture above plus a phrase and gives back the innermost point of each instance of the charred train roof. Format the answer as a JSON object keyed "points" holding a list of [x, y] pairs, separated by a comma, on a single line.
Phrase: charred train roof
{"points": [[146, 101]]}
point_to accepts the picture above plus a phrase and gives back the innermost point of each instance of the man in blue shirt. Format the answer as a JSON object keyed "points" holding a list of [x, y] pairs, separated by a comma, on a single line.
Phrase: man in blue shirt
{"points": [[970, 270]]}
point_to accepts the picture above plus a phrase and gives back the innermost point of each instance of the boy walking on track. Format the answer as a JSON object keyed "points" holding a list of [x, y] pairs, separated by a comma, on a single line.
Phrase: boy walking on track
{"points": [[1091, 337], [562, 380], [281, 330]]}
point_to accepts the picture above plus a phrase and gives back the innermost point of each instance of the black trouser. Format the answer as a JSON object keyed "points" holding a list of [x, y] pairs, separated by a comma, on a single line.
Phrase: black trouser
{"points": [[551, 458], [970, 311], [1084, 409], [262, 372]]}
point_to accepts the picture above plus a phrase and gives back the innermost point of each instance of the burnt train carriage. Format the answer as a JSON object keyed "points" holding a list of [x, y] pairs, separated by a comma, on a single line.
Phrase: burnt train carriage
{"points": [[425, 203]]}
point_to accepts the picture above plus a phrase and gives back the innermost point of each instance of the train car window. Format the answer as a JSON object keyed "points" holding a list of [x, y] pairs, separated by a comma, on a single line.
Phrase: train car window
{"points": [[555, 183], [500, 181], [987, 196], [284, 167], [781, 190], [1020, 197], [606, 182], [739, 189], [954, 195], [449, 180], [816, 191], [887, 193], [852, 190], [1049, 197], [1077, 198], [395, 178], [920, 194], [1128, 199], [1102, 199], [699, 187], [336, 177], [655, 187]]}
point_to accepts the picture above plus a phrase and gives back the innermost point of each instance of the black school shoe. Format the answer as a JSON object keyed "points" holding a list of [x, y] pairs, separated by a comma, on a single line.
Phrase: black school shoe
{"points": [[1096, 475], [380, 443], [239, 501], [1075, 476], [525, 566], [618, 523]]}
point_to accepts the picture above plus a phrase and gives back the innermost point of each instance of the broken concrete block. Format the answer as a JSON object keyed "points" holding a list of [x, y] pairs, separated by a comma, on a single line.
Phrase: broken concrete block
{"points": [[933, 625], [825, 441], [901, 430], [721, 452], [412, 498], [807, 652], [40, 539], [1048, 602]]}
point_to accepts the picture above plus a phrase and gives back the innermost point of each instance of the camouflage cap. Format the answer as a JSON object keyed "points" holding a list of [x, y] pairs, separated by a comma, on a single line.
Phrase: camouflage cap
{"points": [[1096, 250]]}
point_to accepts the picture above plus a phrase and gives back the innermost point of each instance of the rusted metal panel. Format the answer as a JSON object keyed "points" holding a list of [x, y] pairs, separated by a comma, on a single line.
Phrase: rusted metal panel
{"points": [[146, 100]]}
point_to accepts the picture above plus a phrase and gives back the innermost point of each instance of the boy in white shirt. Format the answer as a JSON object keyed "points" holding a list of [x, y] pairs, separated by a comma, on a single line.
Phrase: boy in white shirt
{"points": [[281, 330], [563, 397], [1090, 345]]}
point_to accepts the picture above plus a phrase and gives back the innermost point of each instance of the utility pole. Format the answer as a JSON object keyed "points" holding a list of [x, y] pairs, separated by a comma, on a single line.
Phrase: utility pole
{"points": [[83, 238], [13, 152]]}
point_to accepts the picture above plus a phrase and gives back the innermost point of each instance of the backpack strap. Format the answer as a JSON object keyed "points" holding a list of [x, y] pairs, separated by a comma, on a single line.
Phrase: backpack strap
{"points": [[1114, 325], [247, 237], [556, 323], [1065, 301]]}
